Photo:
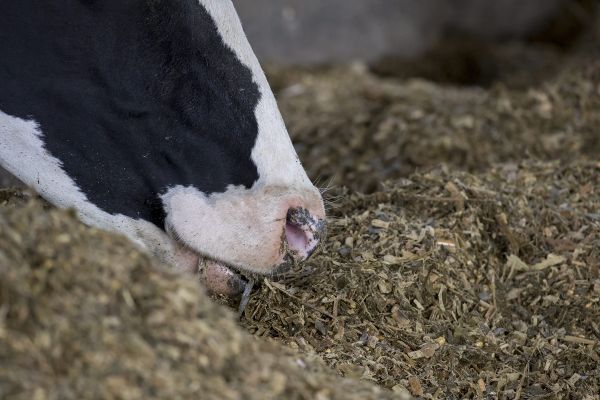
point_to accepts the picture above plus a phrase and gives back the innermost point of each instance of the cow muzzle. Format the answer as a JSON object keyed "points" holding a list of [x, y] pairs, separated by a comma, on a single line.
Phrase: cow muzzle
{"points": [[260, 232], [302, 236]]}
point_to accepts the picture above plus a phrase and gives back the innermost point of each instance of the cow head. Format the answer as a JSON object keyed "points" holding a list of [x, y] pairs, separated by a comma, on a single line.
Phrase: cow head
{"points": [[255, 208], [158, 117]]}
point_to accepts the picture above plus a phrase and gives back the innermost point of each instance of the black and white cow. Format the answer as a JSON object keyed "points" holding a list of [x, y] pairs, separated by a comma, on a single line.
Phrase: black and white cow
{"points": [[153, 118]]}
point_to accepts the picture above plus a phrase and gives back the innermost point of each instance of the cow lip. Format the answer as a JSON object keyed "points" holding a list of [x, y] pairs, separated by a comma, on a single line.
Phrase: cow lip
{"points": [[202, 260], [231, 276], [222, 279], [226, 280]]}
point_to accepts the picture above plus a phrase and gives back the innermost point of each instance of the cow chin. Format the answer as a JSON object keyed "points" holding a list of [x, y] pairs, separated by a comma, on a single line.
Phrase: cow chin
{"points": [[251, 230]]}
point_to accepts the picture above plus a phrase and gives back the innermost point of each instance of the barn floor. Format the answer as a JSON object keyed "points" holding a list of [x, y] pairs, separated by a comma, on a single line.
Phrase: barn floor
{"points": [[472, 272]]}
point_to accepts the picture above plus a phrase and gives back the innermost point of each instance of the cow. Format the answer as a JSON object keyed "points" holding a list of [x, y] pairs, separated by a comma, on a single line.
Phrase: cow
{"points": [[154, 119]]}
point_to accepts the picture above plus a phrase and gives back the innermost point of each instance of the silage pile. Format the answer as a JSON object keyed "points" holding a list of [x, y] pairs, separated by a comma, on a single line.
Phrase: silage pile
{"points": [[84, 315], [455, 285]]}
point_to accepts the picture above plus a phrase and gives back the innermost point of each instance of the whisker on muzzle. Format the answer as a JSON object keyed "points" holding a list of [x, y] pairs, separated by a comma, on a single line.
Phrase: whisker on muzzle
{"points": [[329, 186]]}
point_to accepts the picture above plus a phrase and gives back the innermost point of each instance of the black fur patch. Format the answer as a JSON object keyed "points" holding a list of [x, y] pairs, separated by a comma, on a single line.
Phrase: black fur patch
{"points": [[132, 96]]}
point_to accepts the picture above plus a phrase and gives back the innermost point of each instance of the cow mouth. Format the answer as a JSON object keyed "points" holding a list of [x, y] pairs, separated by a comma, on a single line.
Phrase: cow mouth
{"points": [[230, 282], [223, 280], [301, 233], [217, 277], [220, 278]]}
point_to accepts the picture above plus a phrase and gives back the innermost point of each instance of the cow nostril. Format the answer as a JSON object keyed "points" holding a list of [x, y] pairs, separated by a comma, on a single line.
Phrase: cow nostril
{"points": [[302, 232], [297, 239]]}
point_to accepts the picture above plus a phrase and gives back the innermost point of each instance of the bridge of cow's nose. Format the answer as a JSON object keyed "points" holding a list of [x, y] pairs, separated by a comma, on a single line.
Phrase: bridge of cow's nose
{"points": [[303, 232]]}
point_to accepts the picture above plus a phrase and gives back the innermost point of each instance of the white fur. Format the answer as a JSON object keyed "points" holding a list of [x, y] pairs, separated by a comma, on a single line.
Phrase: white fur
{"points": [[274, 154]]}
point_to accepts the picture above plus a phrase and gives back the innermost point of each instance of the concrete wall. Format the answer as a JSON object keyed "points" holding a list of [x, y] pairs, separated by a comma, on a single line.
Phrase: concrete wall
{"points": [[316, 31]]}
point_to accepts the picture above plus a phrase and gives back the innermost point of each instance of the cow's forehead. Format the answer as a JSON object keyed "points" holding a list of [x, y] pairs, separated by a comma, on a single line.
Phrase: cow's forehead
{"points": [[133, 97]]}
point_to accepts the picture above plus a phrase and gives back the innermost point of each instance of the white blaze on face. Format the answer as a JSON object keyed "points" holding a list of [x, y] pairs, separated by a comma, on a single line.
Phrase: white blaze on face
{"points": [[246, 227]]}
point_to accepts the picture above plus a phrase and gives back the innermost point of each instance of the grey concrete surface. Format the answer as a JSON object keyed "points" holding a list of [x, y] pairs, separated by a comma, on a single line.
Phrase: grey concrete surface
{"points": [[318, 31]]}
